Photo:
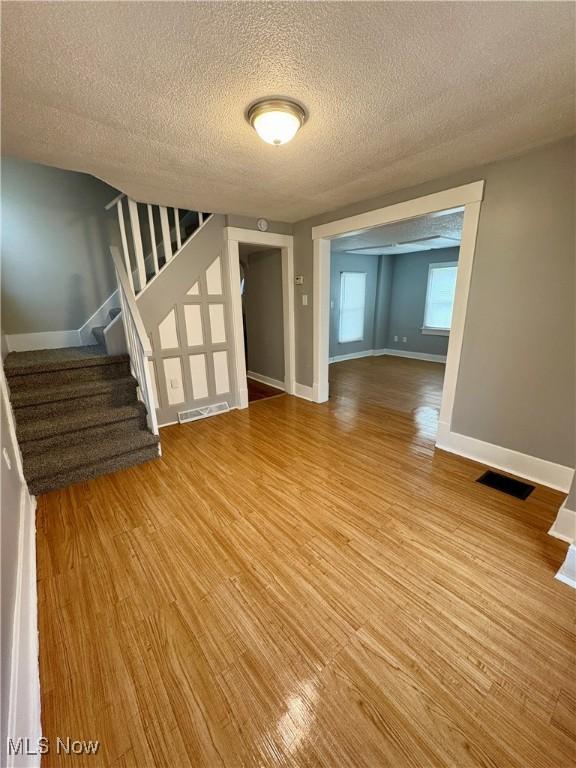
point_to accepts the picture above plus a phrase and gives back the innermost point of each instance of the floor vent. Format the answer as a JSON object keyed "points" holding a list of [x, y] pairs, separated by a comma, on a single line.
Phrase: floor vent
{"points": [[508, 485], [202, 413]]}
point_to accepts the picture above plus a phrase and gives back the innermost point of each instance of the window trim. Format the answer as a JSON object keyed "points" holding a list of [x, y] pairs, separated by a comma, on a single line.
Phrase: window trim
{"points": [[363, 336], [427, 330]]}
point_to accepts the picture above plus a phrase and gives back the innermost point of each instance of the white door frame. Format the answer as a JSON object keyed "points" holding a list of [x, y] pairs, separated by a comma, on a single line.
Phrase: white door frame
{"points": [[233, 236], [467, 197]]}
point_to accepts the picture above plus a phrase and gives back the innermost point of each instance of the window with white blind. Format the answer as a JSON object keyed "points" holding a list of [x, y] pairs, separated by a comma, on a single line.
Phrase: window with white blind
{"points": [[352, 306], [440, 298]]}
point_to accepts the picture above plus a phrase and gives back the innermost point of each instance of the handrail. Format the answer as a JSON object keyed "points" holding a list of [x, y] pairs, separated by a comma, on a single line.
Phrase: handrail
{"points": [[114, 202], [130, 300]]}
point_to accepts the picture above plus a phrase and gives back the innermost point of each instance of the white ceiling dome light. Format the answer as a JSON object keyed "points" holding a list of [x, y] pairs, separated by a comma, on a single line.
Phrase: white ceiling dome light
{"points": [[276, 121]]}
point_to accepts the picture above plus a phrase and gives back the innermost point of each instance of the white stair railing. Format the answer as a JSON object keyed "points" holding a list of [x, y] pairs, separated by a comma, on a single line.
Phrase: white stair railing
{"points": [[141, 268], [139, 346]]}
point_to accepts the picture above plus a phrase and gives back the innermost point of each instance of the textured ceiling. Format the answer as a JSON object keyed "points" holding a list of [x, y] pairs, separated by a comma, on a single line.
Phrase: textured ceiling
{"points": [[448, 225], [150, 96]]}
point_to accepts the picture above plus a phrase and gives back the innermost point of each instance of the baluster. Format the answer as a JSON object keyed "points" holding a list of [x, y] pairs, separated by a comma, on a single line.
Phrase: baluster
{"points": [[137, 237], [200, 218], [165, 233], [153, 238], [125, 252], [177, 226]]}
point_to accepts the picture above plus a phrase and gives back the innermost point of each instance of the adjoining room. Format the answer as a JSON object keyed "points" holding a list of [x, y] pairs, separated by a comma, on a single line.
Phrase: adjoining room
{"points": [[392, 293]]}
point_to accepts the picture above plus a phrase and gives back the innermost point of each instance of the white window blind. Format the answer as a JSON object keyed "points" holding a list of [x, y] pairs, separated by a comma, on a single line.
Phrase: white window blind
{"points": [[352, 303], [440, 296]]}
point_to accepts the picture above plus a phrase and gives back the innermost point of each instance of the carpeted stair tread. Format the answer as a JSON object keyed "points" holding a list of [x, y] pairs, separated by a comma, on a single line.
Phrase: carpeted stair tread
{"points": [[89, 472], [72, 421], [42, 360], [39, 380], [74, 391], [113, 433], [88, 453]]}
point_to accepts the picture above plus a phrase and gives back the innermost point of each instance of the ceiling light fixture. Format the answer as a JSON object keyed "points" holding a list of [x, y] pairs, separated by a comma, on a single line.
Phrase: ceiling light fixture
{"points": [[276, 121]]}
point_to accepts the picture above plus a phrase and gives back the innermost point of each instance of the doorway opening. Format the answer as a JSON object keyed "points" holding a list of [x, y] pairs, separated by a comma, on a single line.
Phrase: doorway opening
{"points": [[466, 199], [263, 320], [392, 291], [261, 273]]}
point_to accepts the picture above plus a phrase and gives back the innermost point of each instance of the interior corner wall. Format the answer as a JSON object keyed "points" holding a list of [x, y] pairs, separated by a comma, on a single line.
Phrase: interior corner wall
{"points": [[344, 262], [56, 265], [516, 379], [264, 312], [407, 302]]}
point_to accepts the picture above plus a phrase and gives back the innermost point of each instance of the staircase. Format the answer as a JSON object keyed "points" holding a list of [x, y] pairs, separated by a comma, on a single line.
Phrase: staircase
{"points": [[77, 415], [98, 331]]}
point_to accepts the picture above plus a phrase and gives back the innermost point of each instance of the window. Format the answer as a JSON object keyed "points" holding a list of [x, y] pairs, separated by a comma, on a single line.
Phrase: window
{"points": [[352, 302], [440, 298]]}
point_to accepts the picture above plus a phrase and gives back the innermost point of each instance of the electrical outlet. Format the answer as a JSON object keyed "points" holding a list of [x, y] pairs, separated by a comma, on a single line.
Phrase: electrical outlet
{"points": [[404, 339], [396, 338]]}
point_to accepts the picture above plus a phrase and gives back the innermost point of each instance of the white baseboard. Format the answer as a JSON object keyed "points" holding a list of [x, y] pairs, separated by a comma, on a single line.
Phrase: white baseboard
{"points": [[564, 527], [530, 468], [392, 352], [567, 572], [276, 383], [100, 317], [301, 390], [23, 342], [24, 702], [26, 342], [351, 356], [412, 355]]}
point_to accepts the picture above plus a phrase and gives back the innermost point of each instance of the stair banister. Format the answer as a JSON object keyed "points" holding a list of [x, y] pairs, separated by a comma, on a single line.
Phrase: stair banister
{"points": [[139, 347]]}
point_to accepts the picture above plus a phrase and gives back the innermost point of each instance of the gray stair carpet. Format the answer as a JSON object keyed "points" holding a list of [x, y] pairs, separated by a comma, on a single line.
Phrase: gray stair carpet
{"points": [[77, 415], [98, 331]]}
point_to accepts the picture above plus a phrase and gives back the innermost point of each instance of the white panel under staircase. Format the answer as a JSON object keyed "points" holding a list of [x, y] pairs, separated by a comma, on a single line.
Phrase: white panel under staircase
{"points": [[199, 377], [217, 324], [168, 332], [221, 372], [193, 320], [214, 278]]}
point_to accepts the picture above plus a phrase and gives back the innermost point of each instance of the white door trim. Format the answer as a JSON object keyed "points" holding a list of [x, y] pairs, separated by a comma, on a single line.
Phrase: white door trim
{"points": [[233, 236], [467, 197]]}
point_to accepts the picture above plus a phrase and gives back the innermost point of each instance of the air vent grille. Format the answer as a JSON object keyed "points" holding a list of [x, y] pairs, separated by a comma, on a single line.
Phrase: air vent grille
{"points": [[202, 413]]}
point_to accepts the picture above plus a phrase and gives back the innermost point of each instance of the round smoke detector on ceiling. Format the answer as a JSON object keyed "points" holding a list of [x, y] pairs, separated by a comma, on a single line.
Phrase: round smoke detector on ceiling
{"points": [[262, 225], [276, 121]]}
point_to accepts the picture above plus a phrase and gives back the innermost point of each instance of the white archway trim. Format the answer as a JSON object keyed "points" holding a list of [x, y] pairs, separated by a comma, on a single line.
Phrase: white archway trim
{"points": [[467, 197], [233, 237]]}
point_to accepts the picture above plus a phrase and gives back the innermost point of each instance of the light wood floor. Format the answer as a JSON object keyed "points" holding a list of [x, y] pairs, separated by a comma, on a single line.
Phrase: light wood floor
{"points": [[299, 585]]}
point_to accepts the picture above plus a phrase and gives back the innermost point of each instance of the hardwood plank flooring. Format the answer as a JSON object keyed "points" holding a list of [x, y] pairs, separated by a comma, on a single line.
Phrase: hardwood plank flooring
{"points": [[311, 586], [259, 391]]}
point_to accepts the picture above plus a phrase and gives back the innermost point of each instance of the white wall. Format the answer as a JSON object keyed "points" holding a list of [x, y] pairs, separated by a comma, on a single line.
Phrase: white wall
{"points": [[20, 697]]}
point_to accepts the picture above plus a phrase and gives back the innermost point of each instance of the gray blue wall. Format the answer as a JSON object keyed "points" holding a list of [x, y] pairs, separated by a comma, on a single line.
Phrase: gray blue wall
{"points": [[343, 262], [408, 299], [56, 266], [395, 300]]}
